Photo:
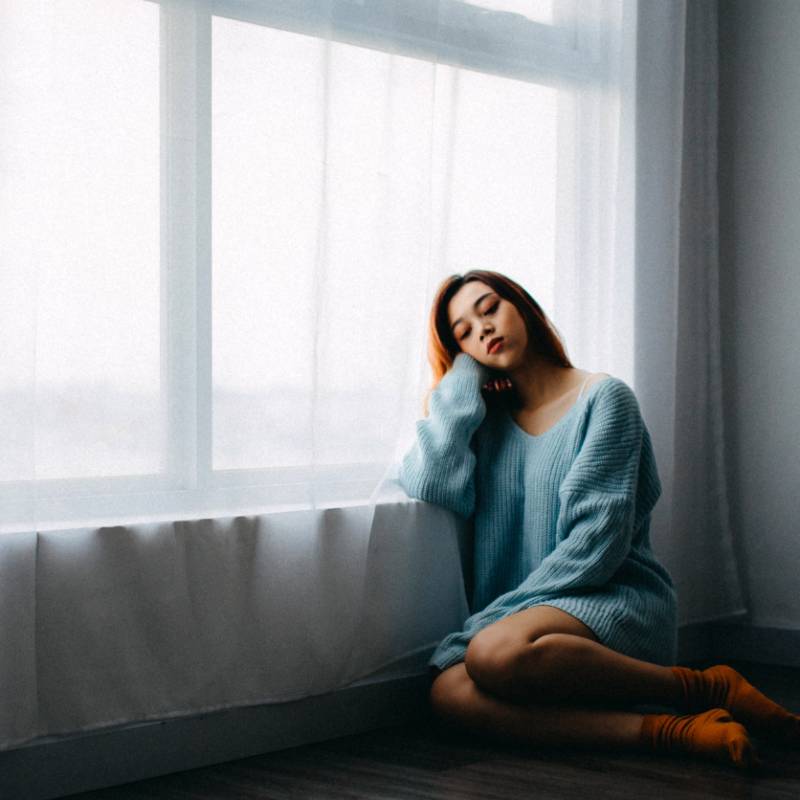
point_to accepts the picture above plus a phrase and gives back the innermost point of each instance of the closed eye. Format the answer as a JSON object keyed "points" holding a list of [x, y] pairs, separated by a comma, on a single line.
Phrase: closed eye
{"points": [[489, 310]]}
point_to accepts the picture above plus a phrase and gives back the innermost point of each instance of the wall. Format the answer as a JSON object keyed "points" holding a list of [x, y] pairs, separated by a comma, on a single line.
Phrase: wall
{"points": [[759, 181]]}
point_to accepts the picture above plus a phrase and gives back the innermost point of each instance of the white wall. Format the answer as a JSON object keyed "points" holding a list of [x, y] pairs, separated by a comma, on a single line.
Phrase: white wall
{"points": [[760, 274]]}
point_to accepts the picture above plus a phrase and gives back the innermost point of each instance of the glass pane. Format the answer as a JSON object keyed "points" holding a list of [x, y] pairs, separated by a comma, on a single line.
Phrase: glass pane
{"points": [[79, 210], [266, 178], [500, 136]]}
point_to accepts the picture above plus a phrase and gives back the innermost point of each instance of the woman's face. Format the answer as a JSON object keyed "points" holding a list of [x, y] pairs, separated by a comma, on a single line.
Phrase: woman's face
{"points": [[478, 315]]}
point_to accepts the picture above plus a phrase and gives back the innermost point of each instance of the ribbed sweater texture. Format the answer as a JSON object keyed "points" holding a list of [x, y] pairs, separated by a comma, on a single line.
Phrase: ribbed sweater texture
{"points": [[560, 519]]}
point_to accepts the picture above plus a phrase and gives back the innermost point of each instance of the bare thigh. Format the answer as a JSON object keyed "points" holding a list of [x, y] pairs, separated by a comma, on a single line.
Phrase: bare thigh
{"points": [[494, 652], [516, 630], [532, 623]]}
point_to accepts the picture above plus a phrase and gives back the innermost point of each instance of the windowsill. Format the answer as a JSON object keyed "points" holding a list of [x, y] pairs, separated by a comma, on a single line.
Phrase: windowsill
{"points": [[390, 493]]}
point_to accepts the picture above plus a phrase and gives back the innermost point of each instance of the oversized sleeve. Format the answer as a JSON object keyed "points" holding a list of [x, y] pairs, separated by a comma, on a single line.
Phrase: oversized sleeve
{"points": [[440, 466], [611, 485]]}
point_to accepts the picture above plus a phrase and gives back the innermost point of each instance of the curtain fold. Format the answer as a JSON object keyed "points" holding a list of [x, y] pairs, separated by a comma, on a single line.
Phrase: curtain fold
{"points": [[124, 624], [678, 372]]}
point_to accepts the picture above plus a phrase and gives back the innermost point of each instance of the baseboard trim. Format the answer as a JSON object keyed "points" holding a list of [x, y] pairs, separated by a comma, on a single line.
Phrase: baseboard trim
{"points": [[737, 641], [764, 645]]}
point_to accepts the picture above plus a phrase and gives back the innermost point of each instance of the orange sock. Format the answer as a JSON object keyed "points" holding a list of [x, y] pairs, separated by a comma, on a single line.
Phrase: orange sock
{"points": [[713, 734], [723, 687]]}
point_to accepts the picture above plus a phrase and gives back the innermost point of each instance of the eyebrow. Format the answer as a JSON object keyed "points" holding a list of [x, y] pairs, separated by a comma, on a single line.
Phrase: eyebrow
{"points": [[474, 305]]}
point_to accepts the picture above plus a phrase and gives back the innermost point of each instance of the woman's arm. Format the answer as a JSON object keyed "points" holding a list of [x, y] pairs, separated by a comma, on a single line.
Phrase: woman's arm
{"points": [[440, 466]]}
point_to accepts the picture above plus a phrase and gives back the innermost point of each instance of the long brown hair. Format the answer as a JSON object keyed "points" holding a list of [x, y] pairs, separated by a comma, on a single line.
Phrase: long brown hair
{"points": [[543, 337]]}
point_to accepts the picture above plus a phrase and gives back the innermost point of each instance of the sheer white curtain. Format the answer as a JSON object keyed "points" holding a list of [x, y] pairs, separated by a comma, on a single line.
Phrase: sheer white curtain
{"points": [[223, 224], [222, 227]]}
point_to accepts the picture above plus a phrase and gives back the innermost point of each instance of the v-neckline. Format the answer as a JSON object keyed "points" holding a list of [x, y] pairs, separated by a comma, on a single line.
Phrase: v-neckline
{"points": [[581, 398]]}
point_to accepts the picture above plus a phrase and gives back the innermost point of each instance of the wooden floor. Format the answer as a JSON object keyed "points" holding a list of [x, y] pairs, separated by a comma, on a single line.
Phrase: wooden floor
{"points": [[426, 761]]}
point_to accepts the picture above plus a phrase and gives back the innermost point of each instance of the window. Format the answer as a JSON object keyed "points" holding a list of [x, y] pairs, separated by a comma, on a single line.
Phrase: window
{"points": [[165, 186]]}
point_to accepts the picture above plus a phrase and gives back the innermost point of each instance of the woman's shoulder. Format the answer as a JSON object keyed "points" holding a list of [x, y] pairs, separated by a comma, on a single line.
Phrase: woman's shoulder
{"points": [[609, 384], [612, 401], [595, 377]]}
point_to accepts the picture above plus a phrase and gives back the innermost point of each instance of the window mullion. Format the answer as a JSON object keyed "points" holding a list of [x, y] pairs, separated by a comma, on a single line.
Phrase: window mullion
{"points": [[185, 242]]}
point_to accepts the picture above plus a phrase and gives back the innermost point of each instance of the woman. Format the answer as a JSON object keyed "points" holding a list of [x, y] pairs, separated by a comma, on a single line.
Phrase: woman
{"points": [[575, 620]]}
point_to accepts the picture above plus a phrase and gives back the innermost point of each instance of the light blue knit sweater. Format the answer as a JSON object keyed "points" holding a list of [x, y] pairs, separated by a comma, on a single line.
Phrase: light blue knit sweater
{"points": [[560, 519]]}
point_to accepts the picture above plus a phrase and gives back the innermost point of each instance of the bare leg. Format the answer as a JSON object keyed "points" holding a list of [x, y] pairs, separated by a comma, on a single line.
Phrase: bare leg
{"points": [[563, 667], [545, 653], [456, 698], [522, 682]]}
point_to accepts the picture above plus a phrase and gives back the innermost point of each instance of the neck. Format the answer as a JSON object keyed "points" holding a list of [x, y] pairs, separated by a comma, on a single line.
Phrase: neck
{"points": [[539, 382]]}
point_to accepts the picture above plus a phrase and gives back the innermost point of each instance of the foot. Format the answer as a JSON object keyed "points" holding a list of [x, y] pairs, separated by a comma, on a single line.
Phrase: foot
{"points": [[713, 734], [722, 686]]}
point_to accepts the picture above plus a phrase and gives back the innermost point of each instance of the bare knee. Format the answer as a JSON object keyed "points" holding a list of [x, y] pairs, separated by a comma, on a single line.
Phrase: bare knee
{"points": [[450, 693], [491, 659]]}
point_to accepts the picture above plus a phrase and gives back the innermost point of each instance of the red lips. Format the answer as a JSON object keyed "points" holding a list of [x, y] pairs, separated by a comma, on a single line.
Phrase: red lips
{"points": [[493, 342]]}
